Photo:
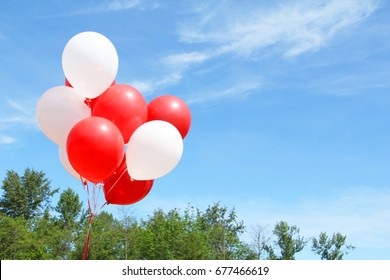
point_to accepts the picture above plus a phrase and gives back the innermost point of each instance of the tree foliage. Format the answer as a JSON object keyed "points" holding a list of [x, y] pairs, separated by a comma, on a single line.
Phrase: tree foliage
{"points": [[17, 241], [106, 242], [31, 228], [288, 242], [331, 248], [25, 196], [223, 232], [212, 234], [69, 208]]}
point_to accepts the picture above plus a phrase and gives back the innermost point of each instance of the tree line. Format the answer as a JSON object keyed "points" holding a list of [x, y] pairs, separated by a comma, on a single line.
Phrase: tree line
{"points": [[32, 228]]}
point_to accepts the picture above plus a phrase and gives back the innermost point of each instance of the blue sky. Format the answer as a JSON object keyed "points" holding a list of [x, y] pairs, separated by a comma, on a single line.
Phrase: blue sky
{"points": [[289, 99]]}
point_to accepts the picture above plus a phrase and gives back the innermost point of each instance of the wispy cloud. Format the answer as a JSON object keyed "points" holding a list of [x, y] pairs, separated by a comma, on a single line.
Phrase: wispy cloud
{"points": [[241, 90], [6, 140], [176, 66], [186, 59], [108, 6], [117, 6], [146, 87], [291, 28], [16, 115], [20, 113]]}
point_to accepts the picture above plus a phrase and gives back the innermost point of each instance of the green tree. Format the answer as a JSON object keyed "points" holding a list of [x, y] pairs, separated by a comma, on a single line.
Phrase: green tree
{"points": [[49, 235], [288, 242], [331, 248], [25, 196], [70, 211], [130, 234], [223, 232], [163, 236], [212, 234], [105, 242], [17, 242], [67, 227], [195, 244]]}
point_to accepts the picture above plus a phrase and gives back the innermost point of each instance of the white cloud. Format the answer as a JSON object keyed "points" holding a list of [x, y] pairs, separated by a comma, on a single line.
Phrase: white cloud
{"points": [[186, 59], [143, 87], [149, 86], [175, 65], [172, 78], [291, 28], [21, 113], [238, 91], [116, 6], [223, 28], [6, 140], [16, 114]]}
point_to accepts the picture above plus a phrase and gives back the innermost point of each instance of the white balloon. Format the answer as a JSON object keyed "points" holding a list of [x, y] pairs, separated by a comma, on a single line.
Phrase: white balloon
{"points": [[58, 110], [66, 164], [154, 149], [64, 159], [90, 63]]}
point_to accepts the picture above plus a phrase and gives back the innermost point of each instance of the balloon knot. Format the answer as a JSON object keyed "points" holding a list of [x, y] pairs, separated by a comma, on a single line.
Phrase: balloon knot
{"points": [[88, 102]]}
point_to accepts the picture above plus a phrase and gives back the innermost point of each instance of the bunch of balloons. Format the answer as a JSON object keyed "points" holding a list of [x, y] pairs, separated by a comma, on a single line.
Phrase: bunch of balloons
{"points": [[106, 132]]}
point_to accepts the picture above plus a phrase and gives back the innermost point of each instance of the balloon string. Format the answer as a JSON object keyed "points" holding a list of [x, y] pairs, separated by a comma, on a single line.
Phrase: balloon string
{"points": [[86, 191], [86, 247], [117, 180], [94, 200], [99, 187], [91, 216], [92, 210], [104, 204]]}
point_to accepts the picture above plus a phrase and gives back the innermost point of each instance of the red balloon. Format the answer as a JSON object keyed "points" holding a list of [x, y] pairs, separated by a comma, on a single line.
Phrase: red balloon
{"points": [[67, 83], [123, 105], [120, 189], [95, 148], [171, 109]]}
